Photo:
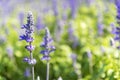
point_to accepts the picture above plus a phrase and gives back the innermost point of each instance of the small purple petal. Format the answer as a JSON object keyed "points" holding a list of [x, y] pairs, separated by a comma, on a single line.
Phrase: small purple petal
{"points": [[27, 72], [117, 38], [26, 59], [29, 47], [45, 52], [45, 58], [29, 39]]}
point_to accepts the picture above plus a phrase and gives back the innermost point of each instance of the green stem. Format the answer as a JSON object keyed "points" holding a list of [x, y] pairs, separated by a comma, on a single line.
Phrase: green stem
{"points": [[31, 58], [47, 75]]}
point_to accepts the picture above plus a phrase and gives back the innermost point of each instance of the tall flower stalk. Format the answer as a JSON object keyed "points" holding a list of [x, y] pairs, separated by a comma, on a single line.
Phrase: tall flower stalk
{"points": [[27, 36], [117, 30], [48, 48]]}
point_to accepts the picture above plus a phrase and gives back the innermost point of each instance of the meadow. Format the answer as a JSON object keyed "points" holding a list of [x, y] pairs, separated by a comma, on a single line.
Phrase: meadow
{"points": [[83, 33]]}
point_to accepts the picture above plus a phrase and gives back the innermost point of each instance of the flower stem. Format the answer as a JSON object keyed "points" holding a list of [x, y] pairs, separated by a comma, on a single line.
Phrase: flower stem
{"points": [[32, 72], [31, 57], [47, 75]]}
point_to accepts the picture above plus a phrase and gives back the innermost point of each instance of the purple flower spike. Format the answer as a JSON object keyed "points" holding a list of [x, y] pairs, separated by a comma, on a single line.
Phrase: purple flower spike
{"points": [[47, 45], [116, 30], [28, 29], [27, 36], [117, 2]]}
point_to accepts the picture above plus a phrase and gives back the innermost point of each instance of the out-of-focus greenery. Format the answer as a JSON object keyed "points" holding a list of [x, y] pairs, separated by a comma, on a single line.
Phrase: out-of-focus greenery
{"points": [[102, 64]]}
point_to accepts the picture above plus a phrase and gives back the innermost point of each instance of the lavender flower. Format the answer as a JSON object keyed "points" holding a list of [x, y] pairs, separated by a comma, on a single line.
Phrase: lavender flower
{"points": [[29, 39], [48, 48], [21, 17], [72, 37], [3, 39], [113, 28], [27, 72], [54, 2], [46, 44], [28, 29], [117, 29], [73, 7], [74, 62], [59, 30], [39, 24], [74, 58], [29, 61], [118, 10], [89, 54], [9, 50], [100, 29]]}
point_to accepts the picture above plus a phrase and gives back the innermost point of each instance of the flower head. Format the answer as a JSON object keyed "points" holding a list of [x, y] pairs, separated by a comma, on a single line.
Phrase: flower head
{"points": [[28, 29], [27, 36], [117, 29], [117, 2], [46, 44]]}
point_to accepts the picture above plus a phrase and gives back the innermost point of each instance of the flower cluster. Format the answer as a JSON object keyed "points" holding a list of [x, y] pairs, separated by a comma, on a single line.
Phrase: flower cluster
{"points": [[116, 31], [46, 44], [118, 10], [28, 29], [29, 61], [27, 36]]}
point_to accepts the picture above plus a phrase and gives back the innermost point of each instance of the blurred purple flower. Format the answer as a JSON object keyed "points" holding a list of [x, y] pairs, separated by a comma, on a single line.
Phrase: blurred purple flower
{"points": [[3, 39], [117, 32], [90, 2], [73, 4], [70, 32], [9, 50], [21, 18], [113, 28], [55, 9], [27, 72], [65, 6], [117, 2], [72, 37], [29, 47], [89, 54], [46, 44], [74, 58], [59, 29], [26, 59], [39, 24], [100, 29], [29, 61]]}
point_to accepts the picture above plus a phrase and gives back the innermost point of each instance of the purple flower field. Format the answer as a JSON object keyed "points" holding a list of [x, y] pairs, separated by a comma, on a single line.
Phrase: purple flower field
{"points": [[59, 39]]}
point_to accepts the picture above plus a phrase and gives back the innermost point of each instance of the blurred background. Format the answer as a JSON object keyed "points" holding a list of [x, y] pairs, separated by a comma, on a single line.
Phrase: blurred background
{"points": [[82, 33]]}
